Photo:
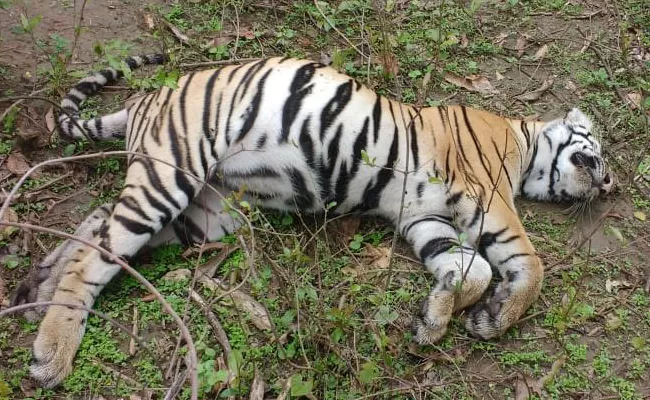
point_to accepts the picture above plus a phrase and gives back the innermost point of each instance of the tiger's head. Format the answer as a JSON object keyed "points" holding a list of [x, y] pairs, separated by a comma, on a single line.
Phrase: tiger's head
{"points": [[567, 164]]}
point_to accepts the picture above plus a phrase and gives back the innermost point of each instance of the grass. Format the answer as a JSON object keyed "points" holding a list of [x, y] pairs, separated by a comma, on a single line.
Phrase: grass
{"points": [[339, 325]]}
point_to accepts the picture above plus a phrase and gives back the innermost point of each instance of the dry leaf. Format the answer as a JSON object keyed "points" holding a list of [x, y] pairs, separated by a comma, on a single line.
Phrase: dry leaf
{"points": [[389, 61], [210, 267], [463, 41], [500, 38], [178, 275], [10, 215], [633, 99], [536, 94], [257, 388], [3, 290], [570, 85], [555, 368], [50, 120], [247, 33], [526, 386], [379, 256], [520, 45], [498, 76], [325, 58], [177, 32], [147, 21], [258, 315], [17, 163], [541, 53], [473, 83], [220, 40], [346, 227]]}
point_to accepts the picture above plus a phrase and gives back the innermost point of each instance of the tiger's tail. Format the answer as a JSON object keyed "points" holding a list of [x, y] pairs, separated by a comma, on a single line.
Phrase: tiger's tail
{"points": [[112, 126]]}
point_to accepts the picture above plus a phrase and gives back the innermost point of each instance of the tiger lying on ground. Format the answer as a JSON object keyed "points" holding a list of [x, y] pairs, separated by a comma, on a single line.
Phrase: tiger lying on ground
{"points": [[290, 133]]}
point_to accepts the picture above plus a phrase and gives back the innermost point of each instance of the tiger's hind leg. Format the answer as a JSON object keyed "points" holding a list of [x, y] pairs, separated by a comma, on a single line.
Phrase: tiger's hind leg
{"points": [[462, 275], [42, 280], [139, 214]]}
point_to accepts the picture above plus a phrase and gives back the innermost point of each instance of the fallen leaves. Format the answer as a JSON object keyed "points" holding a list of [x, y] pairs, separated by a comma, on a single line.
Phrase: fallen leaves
{"points": [[526, 386], [537, 93], [17, 163], [541, 53], [473, 83]]}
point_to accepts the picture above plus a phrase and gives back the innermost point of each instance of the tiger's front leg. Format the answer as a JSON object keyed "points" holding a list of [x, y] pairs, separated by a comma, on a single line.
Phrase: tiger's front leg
{"points": [[138, 215], [501, 239], [462, 275]]}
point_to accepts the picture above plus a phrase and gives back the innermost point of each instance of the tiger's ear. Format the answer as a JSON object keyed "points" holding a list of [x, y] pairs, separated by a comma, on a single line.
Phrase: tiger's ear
{"points": [[575, 117]]}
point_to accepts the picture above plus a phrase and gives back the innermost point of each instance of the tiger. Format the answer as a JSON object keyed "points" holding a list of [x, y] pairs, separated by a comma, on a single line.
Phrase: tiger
{"points": [[297, 135]]}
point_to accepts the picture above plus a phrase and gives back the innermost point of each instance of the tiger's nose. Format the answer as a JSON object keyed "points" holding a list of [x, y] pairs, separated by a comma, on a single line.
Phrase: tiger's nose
{"points": [[607, 184]]}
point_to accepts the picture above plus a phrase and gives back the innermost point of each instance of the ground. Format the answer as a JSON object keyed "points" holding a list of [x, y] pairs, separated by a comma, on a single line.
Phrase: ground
{"points": [[324, 313]]}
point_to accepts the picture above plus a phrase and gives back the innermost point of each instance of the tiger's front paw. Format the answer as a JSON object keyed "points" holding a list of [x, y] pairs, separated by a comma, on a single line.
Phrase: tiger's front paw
{"points": [[435, 313], [493, 315], [55, 347]]}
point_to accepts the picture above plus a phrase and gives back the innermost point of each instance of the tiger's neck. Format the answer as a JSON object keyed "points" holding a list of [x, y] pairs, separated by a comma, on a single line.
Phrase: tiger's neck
{"points": [[528, 132]]}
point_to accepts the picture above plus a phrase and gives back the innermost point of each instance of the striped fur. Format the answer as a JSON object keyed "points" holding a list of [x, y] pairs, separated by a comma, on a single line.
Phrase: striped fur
{"points": [[290, 134]]}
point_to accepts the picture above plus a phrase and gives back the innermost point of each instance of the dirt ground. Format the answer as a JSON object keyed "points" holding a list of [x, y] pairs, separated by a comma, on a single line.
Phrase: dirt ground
{"points": [[613, 234]]}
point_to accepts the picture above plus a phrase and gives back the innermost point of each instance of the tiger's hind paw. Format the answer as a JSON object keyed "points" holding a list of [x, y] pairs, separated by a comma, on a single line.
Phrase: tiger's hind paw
{"points": [[487, 318], [56, 345]]}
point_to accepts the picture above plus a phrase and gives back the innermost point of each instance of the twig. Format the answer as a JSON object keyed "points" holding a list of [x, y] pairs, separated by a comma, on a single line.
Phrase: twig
{"points": [[134, 331], [176, 386], [220, 62], [219, 332], [19, 102], [339, 32]]}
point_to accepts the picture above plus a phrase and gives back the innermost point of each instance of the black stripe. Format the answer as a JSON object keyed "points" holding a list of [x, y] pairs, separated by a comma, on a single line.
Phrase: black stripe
{"points": [[459, 141], [429, 218], [373, 192], [435, 247], [414, 143], [207, 107], [253, 109], [454, 199], [193, 232], [261, 172], [551, 183], [343, 181], [132, 204], [503, 163], [477, 214], [479, 149], [182, 180], [512, 257], [298, 91], [154, 179], [487, 239], [335, 106], [420, 190], [261, 141], [133, 226], [376, 118], [302, 197], [306, 144]]}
